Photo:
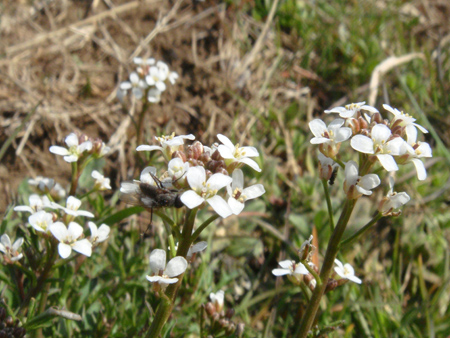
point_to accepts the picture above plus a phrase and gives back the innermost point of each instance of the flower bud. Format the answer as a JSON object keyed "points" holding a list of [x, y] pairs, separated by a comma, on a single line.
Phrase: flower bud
{"points": [[331, 285], [354, 125], [216, 155], [210, 308], [377, 118], [179, 154], [229, 313]]}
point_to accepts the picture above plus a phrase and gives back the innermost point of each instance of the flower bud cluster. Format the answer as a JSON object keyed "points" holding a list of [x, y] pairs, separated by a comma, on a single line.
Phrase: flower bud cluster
{"points": [[220, 320], [10, 328], [148, 81]]}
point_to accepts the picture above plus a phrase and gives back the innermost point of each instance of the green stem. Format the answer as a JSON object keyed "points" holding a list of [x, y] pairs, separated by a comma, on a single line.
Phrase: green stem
{"points": [[140, 123], [312, 272], [75, 176], [325, 272], [330, 209], [203, 226], [360, 232], [166, 304]]}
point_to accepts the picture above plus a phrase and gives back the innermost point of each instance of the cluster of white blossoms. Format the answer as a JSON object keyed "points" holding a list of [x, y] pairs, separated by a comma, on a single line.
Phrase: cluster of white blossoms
{"points": [[148, 81], [388, 142], [44, 220], [195, 176]]}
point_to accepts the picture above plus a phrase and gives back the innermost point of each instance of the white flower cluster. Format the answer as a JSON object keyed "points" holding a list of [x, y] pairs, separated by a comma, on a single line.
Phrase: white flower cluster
{"points": [[148, 81], [79, 146], [388, 142], [70, 237], [195, 176]]}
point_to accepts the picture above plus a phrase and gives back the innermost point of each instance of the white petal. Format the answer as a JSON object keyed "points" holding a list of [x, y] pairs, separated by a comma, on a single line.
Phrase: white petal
{"points": [[362, 144], [83, 246], [339, 264], [351, 172], [226, 141], [148, 148], [23, 208], [161, 86], [286, 264], [85, 146], [153, 279], [318, 127], [300, 269], [218, 181], [200, 246], [252, 164], [176, 266], [17, 244], [238, 179], [6, 241], [220, 206], [71, 158], [168, 280], [59, 230], [281, 272], [103, 232], [319, 140], [157, 260], [71, 140], [196, 176], [59, 150], [380, 133], [369, 181], [226, 152], [191, 199], [254, 191], [64, 250], [249, 151], [235, 206], [75, 230], [388, 162], [420, 169], [354, 279], [343, 134]]}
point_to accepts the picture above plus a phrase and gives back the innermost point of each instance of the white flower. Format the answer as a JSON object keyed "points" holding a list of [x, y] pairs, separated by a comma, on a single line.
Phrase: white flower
{"points": [[11, 251], [157, 75], [72, 206], [165, 274], [136, 84], [346, 271], [217, 299], [68, 239], [238, 195], [205, 191], [290, 268], [335, 133], [406, 121], [177, 168], [169, 144], [173, 76], [233, 153], [100, 234], [393, 200], [355, 185], [415, 152], [75, 149], [101, 183], [41, 221], [379, 146], [37, 203], [350, 110], [197, 247]]}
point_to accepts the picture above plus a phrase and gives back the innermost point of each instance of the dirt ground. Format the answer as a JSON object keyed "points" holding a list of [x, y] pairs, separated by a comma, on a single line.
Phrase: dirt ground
{"points": [[61, 63]]}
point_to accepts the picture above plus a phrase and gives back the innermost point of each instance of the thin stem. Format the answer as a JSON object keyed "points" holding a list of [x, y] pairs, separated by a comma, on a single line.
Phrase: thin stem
{"points": [[304, 290], [140, 123], [312, 272], [360, 232], [329, 207], [332, 250], [203, 226], [166, 304], [74, 182]]}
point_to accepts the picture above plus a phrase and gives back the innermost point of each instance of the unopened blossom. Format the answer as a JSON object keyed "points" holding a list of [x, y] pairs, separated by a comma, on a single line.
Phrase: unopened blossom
{"points": [[136, 84], [217, 299], [74, 150], [351, 110], [235, 154], [393, 200], [406, 121], [381, 145], [346, 271], [197, 247], [68, 238], [165, 274], [168, 144], [37, 203], [101, 182], [239, 195], [11, 251], [290, 268], [100, 234], [41, 221], [72, 206], [354, 185], [206, 191], [326, 166]]}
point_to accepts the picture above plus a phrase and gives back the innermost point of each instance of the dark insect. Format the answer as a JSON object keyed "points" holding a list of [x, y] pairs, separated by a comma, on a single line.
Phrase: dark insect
{"points": [[333, 175]]}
